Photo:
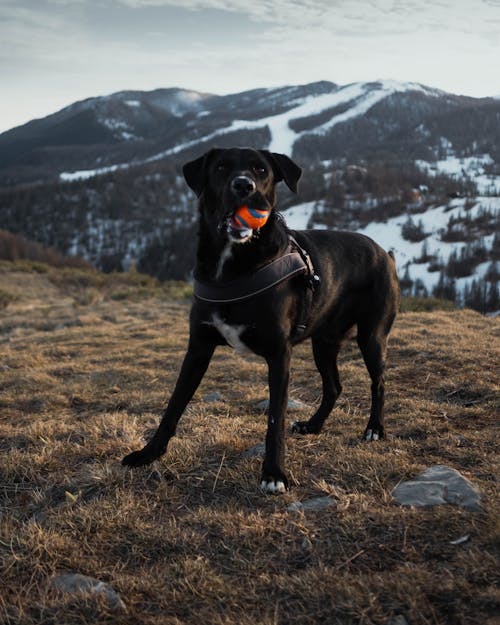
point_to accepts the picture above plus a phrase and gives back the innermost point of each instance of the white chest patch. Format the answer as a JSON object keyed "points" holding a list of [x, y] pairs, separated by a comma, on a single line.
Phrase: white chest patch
{"points": [[225, 255], [232, 334]]}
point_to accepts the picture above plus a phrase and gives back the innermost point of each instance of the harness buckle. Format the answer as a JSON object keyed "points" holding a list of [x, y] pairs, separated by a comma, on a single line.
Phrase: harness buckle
{"points": [[312, 278]]}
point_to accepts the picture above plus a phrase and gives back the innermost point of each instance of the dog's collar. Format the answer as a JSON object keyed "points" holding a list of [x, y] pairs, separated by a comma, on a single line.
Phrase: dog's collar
{"points": [[295, 261]]}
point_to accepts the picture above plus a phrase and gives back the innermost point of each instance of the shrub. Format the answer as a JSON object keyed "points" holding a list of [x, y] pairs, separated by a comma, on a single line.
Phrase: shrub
{"points": [[425, 304], [177, 289], [15, 247], [413, 232], [6, 298]]}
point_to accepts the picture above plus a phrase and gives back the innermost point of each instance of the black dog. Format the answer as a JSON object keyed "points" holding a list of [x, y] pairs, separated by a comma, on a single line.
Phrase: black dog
{"points": [[350, 282]]}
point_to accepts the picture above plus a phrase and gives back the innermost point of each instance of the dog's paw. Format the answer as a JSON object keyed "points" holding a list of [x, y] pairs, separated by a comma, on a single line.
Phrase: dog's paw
{"points": [[275, 487], [141, 458], [304, 427], [274, 482], [373, 434]]}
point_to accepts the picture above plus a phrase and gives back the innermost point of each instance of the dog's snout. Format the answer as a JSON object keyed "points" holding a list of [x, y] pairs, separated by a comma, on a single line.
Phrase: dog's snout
{"points": [[242, 186]]}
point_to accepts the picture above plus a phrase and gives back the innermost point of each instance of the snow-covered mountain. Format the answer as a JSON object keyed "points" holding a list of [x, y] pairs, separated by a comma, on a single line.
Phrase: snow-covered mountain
{"points": [[129, 128], [301, 114], [102, 177]]}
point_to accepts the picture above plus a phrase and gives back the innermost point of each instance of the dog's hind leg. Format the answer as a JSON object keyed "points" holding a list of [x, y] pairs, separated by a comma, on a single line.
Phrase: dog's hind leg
{"points": [[192, 371], [373, 346], [325, 357]]}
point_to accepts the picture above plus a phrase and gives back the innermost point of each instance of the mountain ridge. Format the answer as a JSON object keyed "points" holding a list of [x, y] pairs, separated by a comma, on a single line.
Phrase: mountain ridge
{"points": [[102, 177], [132, 126]]}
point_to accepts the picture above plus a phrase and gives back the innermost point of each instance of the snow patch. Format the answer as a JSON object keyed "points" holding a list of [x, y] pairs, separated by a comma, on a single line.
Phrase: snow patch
{"points": [[298, 217], [114, 124], [84, 174], [472, 167], [434, 220]]}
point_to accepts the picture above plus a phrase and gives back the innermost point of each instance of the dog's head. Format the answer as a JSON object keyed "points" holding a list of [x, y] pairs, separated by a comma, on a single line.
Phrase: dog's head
{"points": [[226, 179]]}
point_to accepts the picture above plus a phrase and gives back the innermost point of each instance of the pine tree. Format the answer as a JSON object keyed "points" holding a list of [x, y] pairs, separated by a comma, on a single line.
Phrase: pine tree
{"points": [[406, 282], [495, 248], [477, 296], [493, 298], [413, 232], [445, 288], [419, 289]]}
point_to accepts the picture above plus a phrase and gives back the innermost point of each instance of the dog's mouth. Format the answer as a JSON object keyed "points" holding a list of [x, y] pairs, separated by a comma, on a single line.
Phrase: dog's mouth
{"points": [[247, 220], [237, 231]]}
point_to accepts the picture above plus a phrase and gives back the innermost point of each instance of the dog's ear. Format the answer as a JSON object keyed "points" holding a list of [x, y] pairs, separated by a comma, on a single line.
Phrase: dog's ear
{"points": [[284, 169], [195, 172]]}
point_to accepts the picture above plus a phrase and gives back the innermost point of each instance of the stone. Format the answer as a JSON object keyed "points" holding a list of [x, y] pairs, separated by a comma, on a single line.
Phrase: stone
{"points": [[76, 438], [293, 404], [213, 397], [256, 450], [438, 485], [73, 583], [154, 478], [461, 540], [316, 503]]}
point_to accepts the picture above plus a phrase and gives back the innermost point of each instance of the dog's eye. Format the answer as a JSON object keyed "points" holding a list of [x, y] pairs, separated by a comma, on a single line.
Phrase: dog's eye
{"points": [[259, 170], [221, 167]]}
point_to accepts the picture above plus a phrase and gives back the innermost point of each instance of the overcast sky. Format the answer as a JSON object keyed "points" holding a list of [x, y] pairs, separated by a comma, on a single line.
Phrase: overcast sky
{"points": [[54, 52]]}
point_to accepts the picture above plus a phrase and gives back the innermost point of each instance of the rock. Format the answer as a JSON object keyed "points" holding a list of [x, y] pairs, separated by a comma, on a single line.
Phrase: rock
{"points": [[154, 478], [76, 438], [460, 541], [317, 503], [438, 485], [306, 544], [35, 405], [256, 450], [458, 440], [213, 397], [73, 583], [293, 404]]}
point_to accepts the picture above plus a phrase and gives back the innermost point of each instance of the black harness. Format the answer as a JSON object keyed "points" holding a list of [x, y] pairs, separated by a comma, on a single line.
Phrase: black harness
{"points": [[294, 262]]}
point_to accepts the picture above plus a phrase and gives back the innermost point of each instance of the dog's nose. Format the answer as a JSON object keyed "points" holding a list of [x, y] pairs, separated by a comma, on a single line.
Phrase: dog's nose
{"points": [[242, 186]]}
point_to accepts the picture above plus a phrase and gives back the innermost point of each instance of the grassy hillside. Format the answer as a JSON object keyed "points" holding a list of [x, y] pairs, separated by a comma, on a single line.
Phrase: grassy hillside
{"points": [[86, 363]]}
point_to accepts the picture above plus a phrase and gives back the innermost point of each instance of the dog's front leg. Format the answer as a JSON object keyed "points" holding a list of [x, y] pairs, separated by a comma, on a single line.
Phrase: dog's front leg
{"points": [[274, 479], [192, 371]]}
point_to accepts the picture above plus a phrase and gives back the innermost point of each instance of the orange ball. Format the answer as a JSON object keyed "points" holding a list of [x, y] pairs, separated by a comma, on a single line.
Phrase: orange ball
{"points": [[253, 218]]}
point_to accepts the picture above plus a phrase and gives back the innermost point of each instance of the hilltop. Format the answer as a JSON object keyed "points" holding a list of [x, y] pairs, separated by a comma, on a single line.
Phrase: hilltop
{"points": [[87, 362]]}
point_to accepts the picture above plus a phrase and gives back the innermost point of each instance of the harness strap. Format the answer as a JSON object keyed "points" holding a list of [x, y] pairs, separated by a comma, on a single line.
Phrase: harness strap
{"points": [[304, 255], [279, 270], [312, 281], [295, 261]]}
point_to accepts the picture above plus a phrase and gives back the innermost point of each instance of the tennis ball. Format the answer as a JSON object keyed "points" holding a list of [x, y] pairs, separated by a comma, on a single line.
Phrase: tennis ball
{"points": [[253, 218]]}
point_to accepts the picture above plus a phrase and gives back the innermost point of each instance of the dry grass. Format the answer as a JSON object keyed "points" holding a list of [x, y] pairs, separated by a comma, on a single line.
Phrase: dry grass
{"points": [[83, 376]]}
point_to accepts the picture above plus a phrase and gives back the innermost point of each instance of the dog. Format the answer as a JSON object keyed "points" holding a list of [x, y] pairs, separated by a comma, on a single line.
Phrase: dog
{"points": [[345, 280]]}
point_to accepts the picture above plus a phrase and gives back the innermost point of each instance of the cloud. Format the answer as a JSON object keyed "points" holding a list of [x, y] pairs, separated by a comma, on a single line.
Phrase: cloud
{"points": [[364, 16], [71, 49]]}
